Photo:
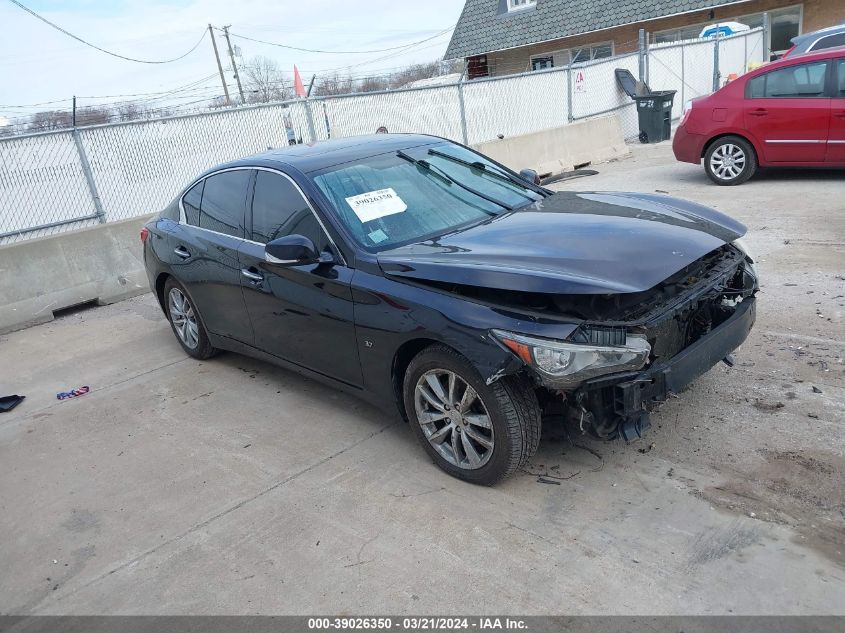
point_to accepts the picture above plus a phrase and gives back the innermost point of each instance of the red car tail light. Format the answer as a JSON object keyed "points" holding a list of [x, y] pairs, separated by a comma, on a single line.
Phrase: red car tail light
{"points": [[145, 233]]}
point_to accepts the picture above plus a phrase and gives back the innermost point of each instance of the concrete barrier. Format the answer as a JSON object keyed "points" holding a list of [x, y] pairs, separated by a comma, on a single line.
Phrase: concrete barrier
{"points": [[560, 149], [39, 276]]}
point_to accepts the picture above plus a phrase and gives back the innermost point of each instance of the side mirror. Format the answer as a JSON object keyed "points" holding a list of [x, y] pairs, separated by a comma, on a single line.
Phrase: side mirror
{"points": [[291, 250], [530, 175]]}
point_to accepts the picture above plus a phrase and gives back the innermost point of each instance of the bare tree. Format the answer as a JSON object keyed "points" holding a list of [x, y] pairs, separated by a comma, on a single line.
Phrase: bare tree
{"points": [[373, 84], [265, 81], [93, 115], [130, 111], [415, 72], [333, 84], [50, 120]]}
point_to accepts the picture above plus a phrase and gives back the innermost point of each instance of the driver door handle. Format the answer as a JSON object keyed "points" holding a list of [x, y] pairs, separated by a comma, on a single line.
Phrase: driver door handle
{"points": [[252, 276]]}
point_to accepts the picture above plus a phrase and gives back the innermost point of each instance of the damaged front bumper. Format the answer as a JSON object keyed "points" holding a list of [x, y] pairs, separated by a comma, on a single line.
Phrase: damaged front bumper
{"points": [[618, 405]]}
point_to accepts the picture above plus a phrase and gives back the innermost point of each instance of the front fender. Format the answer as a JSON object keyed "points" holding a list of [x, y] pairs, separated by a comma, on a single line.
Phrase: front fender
{"points": [[390, 314]]}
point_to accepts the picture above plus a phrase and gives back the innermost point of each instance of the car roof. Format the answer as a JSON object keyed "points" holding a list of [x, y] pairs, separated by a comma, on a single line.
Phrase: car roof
{"points": [[821, 54], [811, 37], [315, 156]]}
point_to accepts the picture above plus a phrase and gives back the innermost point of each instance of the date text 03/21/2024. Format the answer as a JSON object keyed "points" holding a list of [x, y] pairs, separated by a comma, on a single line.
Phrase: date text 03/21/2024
{"points": [[416, 623]]}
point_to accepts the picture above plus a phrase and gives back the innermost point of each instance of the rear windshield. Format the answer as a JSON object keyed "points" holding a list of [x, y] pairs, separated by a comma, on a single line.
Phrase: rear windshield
{"points": [[388, 200]]}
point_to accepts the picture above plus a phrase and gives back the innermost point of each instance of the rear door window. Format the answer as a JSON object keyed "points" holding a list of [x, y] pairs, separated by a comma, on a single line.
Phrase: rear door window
{"points": [[191, 203], [837, 39], [278, 209], [224, 202], [804, 81]]}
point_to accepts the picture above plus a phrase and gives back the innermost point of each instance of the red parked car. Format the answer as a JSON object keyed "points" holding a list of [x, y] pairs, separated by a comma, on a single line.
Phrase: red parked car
{"points": [[790, 113]]}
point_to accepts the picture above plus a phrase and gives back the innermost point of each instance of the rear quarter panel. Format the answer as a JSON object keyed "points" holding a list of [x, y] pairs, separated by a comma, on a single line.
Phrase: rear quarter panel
{"points": [[723, 114]]}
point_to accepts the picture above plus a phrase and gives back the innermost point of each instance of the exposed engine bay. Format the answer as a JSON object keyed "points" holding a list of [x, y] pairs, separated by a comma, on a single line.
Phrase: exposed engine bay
{"points": [[672, 316]]}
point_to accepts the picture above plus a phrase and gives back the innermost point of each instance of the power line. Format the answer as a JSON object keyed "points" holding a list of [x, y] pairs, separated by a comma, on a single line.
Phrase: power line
{"points": [[103, 50], [373, 61], [157, 94], [315, 50]]}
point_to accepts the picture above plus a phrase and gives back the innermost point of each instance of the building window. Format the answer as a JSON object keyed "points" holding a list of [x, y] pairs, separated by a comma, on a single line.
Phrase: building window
{"points": [[477, 67], [785, 24], [517, 5], [542, 63], [572, 56]]}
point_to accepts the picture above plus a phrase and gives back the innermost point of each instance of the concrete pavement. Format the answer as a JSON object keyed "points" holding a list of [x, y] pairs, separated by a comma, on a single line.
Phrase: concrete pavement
{"points": [[233, 487]]}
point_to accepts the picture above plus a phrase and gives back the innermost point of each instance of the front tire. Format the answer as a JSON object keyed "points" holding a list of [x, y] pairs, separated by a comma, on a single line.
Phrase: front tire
{"points": [[730, 161], [474, 431], [186, 321]]}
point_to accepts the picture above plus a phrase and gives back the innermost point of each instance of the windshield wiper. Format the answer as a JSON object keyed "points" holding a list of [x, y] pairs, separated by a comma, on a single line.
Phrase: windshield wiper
{"points": [[498, 173], [425, 165]]}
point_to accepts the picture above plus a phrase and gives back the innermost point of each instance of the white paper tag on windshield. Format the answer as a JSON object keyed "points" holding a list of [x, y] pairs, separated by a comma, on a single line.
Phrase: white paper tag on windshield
{"points": [[376, 204]]}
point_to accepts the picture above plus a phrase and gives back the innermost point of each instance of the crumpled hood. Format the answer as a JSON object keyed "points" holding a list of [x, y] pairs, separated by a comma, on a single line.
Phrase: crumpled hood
{"points": [[572, 243]]}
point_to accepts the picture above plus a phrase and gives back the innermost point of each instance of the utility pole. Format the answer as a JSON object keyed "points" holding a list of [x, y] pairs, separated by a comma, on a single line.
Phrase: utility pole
{"points": [[219, 65], [234, 66]]}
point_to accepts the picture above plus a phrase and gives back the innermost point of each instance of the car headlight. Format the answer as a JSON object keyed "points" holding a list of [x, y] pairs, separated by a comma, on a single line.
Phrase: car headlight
{"points": [[564, 365], [688, 106], [742, 246]]}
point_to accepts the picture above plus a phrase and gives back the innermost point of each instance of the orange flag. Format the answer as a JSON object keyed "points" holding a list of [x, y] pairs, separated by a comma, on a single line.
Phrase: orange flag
{"points": [[297, 83]]}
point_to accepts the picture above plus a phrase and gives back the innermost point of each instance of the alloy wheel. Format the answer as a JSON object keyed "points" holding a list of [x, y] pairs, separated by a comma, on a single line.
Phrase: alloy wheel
{"points": [[454, 419], [728, 161], [184, 318]]}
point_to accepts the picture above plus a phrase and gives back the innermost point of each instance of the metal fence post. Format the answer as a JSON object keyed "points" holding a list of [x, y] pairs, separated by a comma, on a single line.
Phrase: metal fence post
{"points": [[683, 77], [570, 113], [309, 118], [716, 73], [767, 27], [642, 54], [745, 54], [462, 105], [89, 176]]}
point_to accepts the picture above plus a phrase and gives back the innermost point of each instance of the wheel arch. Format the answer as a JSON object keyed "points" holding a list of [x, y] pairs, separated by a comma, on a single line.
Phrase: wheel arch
{"points": [[160, 282], [492, 363], [405, 353], [744, 137]]}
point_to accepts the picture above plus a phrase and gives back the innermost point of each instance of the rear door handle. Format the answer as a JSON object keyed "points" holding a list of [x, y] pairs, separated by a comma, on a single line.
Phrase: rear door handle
{"points": [[182, 252], [759, 112], [252, 276], [841, 115]]}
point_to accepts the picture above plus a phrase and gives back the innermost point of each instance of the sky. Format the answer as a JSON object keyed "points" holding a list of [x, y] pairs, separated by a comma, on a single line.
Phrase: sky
{"points": [[39, 64]]}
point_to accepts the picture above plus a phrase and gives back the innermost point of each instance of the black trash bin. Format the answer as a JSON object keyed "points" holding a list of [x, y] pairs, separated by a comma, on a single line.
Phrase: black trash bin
{"points": [[654, 107], [655, 113]]}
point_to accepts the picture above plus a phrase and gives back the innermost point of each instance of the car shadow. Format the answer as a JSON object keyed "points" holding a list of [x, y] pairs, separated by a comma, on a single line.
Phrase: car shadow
{"points": [[775, 174], [279, 379]]}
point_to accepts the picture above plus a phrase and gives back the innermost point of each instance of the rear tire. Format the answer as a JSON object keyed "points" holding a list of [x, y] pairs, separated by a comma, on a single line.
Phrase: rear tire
{"points": [[480, 436], [730, 161], [186, 321]]}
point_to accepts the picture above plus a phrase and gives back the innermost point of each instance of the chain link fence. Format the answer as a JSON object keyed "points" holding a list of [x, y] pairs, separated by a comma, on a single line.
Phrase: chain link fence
{"points": [[57, 181]]}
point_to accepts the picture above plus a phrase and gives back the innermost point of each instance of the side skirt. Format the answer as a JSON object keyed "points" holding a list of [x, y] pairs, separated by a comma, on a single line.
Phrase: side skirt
{"points": [[231, 345]]}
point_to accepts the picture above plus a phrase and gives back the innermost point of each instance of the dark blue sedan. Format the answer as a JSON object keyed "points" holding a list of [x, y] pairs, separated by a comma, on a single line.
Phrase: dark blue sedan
{"points": [[428, 278]]}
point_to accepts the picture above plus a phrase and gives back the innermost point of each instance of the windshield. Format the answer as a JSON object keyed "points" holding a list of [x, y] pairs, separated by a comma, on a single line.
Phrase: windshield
{"points": [[418, 194]]}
